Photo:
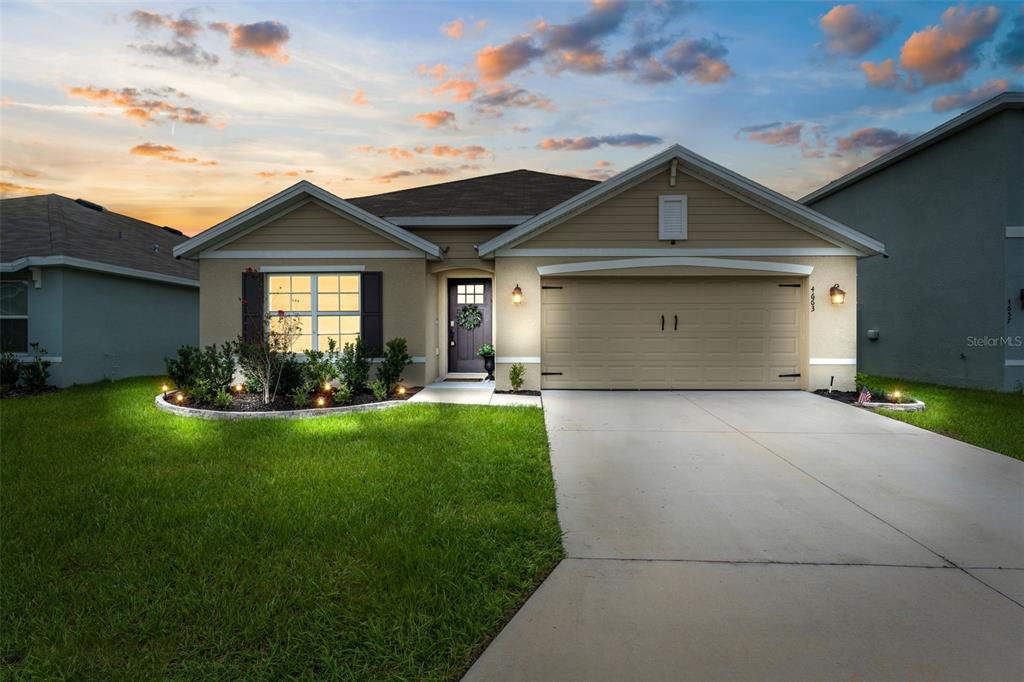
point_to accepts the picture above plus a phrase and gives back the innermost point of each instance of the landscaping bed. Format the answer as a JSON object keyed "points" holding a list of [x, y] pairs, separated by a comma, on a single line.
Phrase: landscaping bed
{"points": [[387, 544], [242, 401]]}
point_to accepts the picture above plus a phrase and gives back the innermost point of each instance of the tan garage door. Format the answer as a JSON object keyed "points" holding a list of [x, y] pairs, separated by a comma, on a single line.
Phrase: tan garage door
{"points": [[606, 332]]}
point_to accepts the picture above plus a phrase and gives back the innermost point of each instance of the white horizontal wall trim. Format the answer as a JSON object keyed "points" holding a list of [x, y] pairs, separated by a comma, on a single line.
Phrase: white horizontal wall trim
{"points": [[1015, 232], [591, 266], [94, 266], [312, 268], [1015, 363], [457, 221], [416, 360], [680, 251], [27, 357], [524, 359], [311, 254], [833, 361]]}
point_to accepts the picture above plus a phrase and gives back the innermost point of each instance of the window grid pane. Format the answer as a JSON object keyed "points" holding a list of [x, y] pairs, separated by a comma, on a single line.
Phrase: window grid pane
{"points": [[13, 298], [335, 316]]}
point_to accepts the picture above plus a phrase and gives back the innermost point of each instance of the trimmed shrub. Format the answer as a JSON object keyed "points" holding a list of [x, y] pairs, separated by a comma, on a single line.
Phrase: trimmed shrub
{"points": [[354, 366], [517, 375], [396, 359]]}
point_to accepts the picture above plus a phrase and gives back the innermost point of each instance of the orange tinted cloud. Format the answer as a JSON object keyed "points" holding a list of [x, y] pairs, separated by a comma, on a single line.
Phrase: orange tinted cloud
{"points": [[851, 32], [454, 29], [471, 152], [134, 105], [942, 54], [183, 26], [286, 174], [501, 97], [431, 171], [264, 39], [986, 90], [496, 62], [461, 90], [359, 99], [14, 189], [776, 134], [436, 119], [166, 152], [877, 140], [881, 75]]}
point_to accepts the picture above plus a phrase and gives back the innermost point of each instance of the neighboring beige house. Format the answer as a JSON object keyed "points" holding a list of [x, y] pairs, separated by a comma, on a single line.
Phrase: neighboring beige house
{"points": [[676, 273]]}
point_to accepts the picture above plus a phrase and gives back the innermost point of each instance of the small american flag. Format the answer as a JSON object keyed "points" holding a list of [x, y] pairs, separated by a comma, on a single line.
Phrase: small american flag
{"points": [[865, 396]]}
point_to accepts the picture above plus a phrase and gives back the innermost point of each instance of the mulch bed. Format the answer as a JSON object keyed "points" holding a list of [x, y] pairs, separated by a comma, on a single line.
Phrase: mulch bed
{"points": [[252, 402], [24, 393], [518, 392]]}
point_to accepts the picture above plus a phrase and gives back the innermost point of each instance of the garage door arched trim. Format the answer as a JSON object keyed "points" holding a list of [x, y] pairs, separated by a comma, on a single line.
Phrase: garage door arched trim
{"points": [[669, 261]]}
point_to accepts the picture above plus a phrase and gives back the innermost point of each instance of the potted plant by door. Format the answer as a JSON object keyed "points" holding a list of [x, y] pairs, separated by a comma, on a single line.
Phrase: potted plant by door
{"points": [[487, 353]]}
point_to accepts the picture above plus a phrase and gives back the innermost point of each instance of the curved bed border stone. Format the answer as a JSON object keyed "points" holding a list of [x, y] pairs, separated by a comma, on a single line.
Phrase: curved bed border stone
{"points": [[223, 415], [916, 406]]}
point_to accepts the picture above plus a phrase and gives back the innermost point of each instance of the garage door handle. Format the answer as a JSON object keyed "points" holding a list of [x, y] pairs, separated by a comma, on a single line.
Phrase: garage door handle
{"points": [[675, 323], [662, 323]]}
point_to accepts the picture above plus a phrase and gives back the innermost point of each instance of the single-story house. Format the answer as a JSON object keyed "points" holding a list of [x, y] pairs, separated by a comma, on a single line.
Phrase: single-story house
{"points": [[947, 306], [101, 292], [676, 273]]}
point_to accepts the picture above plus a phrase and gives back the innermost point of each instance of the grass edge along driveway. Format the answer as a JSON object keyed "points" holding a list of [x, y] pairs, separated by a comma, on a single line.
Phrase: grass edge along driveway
{"points": [[386, 544], [988, 419]]}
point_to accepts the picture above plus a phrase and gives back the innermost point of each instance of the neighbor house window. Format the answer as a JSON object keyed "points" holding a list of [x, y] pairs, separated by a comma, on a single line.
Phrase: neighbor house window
{"points": [[14, 317], [325, 306]]}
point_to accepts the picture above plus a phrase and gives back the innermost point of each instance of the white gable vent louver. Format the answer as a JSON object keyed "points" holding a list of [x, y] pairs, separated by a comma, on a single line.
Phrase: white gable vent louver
{"points": [[672, 217]]}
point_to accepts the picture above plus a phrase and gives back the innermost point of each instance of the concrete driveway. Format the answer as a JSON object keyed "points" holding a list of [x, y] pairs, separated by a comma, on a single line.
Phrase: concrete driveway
{"points": [[767, 535]]}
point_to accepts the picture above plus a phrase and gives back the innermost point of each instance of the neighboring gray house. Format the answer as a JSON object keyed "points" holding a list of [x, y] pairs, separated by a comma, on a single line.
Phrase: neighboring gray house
{"points": [[101, 292], [948, 303]]}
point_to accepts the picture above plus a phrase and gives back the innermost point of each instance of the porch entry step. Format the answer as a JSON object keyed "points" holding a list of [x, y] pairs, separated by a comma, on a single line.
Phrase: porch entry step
{"points": [[460, 380]]}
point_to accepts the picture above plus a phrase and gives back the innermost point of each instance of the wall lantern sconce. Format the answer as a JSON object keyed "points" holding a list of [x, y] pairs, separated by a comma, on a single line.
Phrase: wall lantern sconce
{"points": [[517, 295], [836, 294]]}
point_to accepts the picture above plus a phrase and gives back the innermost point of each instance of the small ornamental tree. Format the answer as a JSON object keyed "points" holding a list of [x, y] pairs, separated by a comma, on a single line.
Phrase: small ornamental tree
{"points": [[264, 362]]}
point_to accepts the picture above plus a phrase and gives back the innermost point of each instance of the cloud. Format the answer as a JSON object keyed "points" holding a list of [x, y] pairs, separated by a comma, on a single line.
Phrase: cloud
{"points": [[454, 29], [264, 39], [183, 27], [496, 63], [134, 105], [578, 46], [436, 119], [14, 189], [943, 54], [359, 99], [776, 134], [589, 142], [601, 171], [182, 46], [185, 51], [471, 152], [1010, 52], [285, 174], [497, 99], [882, 74], [700, 60], [431, 171], [876, 140], [851, 32], [986, 90], [460, 88], [166, 152], [520, 129], [18, 172]]}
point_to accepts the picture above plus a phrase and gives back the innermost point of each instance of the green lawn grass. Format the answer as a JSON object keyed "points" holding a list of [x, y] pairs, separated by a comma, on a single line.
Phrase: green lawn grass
{"points": [[989, 419], [380, 545]]}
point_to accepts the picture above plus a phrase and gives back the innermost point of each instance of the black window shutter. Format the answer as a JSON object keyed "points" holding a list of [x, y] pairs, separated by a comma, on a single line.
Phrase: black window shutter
{"points": [[372, 312], [252, 307]]}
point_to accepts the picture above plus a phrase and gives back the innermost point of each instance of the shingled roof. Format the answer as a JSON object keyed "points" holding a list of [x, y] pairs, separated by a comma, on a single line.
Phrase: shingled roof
{"points": [[52, 225], [515, 193]]}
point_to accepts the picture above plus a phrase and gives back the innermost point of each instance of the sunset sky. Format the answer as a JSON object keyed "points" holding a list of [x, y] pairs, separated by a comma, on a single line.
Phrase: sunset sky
{"points": [[185, 114]]}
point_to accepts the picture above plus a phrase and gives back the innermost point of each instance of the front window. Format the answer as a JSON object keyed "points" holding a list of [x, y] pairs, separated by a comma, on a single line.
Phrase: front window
{"points": [[325, 306], [14, 317]]}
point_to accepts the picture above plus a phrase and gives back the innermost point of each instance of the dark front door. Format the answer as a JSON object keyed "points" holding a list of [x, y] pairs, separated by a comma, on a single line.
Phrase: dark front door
{"points": [[466, 295]]}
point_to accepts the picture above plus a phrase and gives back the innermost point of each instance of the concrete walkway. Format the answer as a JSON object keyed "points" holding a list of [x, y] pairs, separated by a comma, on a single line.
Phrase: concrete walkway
{"points": [[471, 393], [756, 535]]}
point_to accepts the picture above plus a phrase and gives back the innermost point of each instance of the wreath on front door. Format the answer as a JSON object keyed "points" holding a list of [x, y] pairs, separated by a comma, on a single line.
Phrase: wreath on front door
{"points": [[469, 317]]}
